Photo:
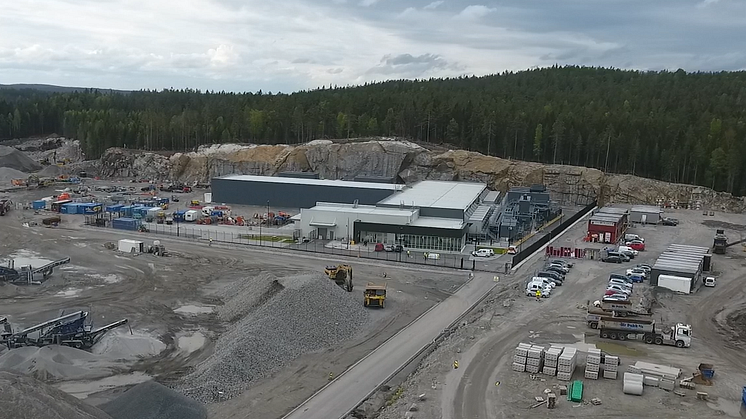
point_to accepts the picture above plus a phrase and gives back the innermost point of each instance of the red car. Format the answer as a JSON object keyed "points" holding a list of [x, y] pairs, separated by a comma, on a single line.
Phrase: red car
{"points": [[639, 246]]}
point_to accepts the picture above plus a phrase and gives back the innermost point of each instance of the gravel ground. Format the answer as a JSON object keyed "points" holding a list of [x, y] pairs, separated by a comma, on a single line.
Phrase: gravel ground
{"points": [[54, 363], [151, 400], [27, 398], [308, 313]]}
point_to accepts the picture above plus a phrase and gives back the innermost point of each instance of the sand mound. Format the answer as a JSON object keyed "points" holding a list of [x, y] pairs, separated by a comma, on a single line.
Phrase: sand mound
{"points": [[7, 174], [151, 400], [54, 363], [10, 157], [128, 346], [27, 398], [51, 171]]}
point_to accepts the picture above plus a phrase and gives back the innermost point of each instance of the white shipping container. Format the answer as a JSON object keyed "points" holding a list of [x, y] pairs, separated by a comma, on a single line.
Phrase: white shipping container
{"points": [[675, 283], [208, 197], [192, 215], [130, 246]]}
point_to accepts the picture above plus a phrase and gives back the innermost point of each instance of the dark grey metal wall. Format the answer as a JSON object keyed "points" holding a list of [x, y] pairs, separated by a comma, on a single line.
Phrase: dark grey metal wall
{"points": [[290, 195], [396, 229], [433, 212]]}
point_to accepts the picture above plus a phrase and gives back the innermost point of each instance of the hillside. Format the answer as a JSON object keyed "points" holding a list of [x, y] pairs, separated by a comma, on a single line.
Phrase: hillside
{"points": [[674, 126], [50, 88], [409, 162]]}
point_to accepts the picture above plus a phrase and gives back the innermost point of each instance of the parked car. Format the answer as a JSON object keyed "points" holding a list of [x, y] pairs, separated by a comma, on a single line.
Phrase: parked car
{"points": [[646, 268], [612, 259], [637, 246], [555, 269], [624, 284], [559, 266], [626, 250], [620, 276], [532, 287], [379, 247], [554, 276], [709, 281], [612, 252], [630, 237], [545, 281], [619, 288], [484, 253], [561, 262], [669, 221], [616, 297], [636, 278], [637, 271], [394, 248]]}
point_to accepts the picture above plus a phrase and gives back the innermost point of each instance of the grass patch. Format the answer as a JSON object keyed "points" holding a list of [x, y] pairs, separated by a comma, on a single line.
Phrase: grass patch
{"points": [[395, 396]]}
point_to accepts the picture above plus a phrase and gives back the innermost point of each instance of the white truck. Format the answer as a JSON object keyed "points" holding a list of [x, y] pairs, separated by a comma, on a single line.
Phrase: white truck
{"points": [[625, 328]]}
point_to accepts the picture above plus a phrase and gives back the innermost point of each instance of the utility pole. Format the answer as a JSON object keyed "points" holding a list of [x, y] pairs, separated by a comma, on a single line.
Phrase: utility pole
{"points": [[608, 145]]}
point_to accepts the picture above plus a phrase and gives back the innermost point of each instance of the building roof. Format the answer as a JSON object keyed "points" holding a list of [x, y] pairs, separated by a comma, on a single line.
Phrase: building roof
{"points": [[437, 194], [615, 218], [432, 222], [647, 209], [364, 209], [492, 197], [612, 210], [315, 182]]}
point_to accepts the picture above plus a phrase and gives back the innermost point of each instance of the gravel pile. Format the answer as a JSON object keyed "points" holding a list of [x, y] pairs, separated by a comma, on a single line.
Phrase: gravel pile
{"points": [[252, 293], [308, 314], [26, 398], [7, 174], [54, 363], [10, 157], [151, 400]]}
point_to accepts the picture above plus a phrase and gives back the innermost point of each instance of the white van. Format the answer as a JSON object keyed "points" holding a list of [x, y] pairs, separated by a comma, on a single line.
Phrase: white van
{"points": [[546, 281], [630, 237], [532, 287], [627, 249], [192, 215]]}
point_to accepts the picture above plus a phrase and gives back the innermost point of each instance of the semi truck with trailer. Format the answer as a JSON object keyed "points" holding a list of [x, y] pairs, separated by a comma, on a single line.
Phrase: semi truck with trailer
{"points": [[646, 330], [604, 308]]}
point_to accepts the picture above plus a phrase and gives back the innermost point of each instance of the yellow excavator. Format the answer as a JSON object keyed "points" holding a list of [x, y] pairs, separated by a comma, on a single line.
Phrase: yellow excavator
{"points": [[375, 295], [341, 275]]}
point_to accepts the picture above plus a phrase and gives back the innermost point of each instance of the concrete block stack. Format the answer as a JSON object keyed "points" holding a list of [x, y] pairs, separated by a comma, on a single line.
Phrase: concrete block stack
{"points": [[593, 364], [520, 356], [566, 364], [550, 360], [611, 367], [655, 375], [535, 359]]}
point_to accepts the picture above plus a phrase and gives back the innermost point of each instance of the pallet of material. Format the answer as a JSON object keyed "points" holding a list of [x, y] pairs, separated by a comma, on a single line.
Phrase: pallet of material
{"points": [[564, 376], [610, 374], [651, 381], [549, 371], [535, 361], [533, 369], [662, 371], [666, 384], [519, 359], [536, 352], [519, 367], [592, 367], [591, 375], [522, 349]]}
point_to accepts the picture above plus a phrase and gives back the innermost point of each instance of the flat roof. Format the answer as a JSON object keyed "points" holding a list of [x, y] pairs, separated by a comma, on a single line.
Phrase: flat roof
{"points": [[646, 208], [606, 217], [492, 196], [613, 210], [363, 209], [314, 182], [432, 222], [437, 194]]}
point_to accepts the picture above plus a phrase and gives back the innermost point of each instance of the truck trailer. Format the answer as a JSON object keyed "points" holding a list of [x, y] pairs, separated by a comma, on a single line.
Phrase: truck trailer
{"points": [[645, 330]]}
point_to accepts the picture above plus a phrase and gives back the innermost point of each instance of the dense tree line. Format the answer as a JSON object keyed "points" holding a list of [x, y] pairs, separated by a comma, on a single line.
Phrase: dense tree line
{"points": [[675, 126]]}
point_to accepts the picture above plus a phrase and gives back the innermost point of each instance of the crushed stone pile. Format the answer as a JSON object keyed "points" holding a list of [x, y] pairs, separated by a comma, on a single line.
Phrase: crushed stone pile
{"points": [[7, 174], [10, 157], [54, 363], [254, 291], [26, 398], [150, 400], [309, 313], [51, 171]]}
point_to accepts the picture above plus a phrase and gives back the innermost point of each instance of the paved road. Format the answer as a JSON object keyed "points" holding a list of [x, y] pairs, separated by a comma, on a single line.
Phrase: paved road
{"points": [[352, 387]]}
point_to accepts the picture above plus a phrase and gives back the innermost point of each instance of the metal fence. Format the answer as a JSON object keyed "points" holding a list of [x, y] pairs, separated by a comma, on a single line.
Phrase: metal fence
{"points": [[253, 238], [558, 229]]}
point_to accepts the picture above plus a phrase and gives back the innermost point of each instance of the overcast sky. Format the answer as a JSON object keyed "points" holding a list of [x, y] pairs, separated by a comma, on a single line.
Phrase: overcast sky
{"points": [[287, 45]]}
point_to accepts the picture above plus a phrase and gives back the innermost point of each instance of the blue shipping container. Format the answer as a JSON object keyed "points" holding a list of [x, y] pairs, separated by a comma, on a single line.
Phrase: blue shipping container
{"points": [[114, 208], [69, 209], [125, 224], [37, 205]]}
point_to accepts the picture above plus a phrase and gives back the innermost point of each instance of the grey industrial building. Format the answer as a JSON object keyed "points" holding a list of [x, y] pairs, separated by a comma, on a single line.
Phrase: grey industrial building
{"points": [[522, 210], [296, 192], [682, 261], [645, 214]]}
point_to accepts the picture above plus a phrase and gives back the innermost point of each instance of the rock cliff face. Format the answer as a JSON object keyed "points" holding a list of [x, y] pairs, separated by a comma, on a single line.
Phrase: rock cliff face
{"points": [[409, 162]]}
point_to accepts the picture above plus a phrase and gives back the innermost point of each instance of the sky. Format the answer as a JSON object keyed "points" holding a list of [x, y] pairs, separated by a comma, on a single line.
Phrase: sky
{"points": [[290, 45]]}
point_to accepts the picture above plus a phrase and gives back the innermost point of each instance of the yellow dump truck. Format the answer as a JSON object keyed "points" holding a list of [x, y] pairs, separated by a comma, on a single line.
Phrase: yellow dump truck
{"points": [[341, 275], [375, 295]]}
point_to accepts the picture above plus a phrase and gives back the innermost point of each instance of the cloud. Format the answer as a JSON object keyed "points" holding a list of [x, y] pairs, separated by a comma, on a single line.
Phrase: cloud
{"points": [[300, 44], [475, 11]]}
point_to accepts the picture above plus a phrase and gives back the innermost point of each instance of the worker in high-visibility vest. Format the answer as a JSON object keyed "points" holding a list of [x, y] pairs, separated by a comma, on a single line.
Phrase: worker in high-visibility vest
{"points": [[538, 295], [455, 365]]}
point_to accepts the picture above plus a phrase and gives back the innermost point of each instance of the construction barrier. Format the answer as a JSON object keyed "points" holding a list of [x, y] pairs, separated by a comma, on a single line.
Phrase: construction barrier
{"points": [[565, 252]]}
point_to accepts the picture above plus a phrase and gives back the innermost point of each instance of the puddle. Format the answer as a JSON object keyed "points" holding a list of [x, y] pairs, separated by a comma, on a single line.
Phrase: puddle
{"points": [[191, 343], [729, 407], [107, 279], [72, 292], [27, 257], [83, 389], [192, 309]]}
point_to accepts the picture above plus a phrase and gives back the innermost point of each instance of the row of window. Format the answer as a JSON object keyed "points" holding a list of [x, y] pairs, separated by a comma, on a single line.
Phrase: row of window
{"points": [[416, 241]]}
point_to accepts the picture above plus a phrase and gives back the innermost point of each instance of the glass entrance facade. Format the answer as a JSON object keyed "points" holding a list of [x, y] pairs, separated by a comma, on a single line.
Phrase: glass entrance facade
{"points": [[416, 241]]}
